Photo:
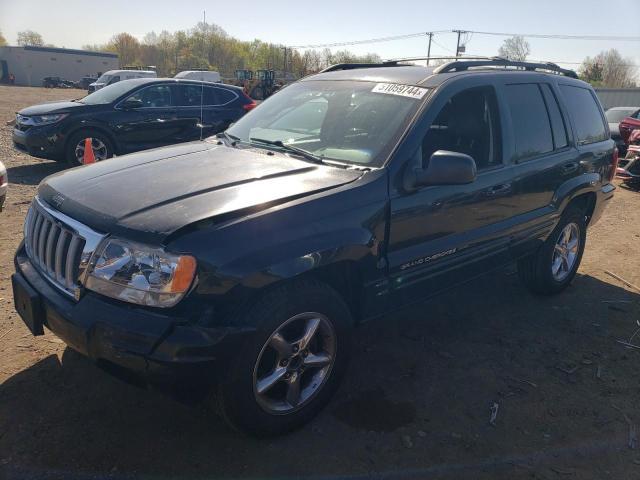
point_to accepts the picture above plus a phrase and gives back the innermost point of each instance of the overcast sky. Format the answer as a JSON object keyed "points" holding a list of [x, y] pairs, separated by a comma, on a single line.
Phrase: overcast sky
{"points": [[73, 23]]}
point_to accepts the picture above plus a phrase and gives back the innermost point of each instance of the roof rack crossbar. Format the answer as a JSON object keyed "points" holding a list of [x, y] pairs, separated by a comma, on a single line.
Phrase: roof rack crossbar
{"points": [[412, 59], [464, 64], [353, 66]]}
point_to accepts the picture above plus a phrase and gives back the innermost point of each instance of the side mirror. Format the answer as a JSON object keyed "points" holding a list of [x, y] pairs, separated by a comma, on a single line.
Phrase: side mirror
{"points": [[445, 168], [131, 104]]}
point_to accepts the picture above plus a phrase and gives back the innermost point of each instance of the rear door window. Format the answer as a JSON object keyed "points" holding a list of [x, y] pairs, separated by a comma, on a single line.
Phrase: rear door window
{"points": [[587, 119], [530, 121], [190, 95]]}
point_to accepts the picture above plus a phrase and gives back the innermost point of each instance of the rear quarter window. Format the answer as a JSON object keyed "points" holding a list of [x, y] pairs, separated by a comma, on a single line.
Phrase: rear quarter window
{"points": [[218, 96], [585, 113]]}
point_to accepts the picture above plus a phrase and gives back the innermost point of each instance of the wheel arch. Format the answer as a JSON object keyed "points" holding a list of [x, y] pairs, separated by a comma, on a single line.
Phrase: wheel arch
{"points": [[345, 276], [578, 192], [585, 202]]}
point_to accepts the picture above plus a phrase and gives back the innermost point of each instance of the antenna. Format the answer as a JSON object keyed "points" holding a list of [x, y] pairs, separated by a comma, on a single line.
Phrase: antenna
{"points": [[204, 30]]}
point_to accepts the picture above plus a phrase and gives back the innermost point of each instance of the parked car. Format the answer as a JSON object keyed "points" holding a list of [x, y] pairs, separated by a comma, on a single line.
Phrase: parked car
{"points": [[84, 82], [628, 125], [57, 82], [202, 75], [115, 76], [616, 115], [128, 116], [629, 166], [245, 263], [4, 183]]}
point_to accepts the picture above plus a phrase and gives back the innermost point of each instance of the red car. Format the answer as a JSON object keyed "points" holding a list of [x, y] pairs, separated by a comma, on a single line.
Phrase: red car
{"points": [[628, 124]]}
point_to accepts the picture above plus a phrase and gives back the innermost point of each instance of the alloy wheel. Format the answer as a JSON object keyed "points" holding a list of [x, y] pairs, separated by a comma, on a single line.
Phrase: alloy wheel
{"points": [[565, 252], [294, 363], [100, 151]]}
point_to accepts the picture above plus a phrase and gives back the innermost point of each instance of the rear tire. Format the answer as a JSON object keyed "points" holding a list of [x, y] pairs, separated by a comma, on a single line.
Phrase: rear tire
{"points": [[103, 148], [548, 272], [248, 399], [257, 93]]}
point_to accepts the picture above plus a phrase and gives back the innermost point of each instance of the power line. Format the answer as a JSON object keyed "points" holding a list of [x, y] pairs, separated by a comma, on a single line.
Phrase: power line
{"points": [[562, 36], [443, 47], [499, 34], [370, 40], [563, 61]]}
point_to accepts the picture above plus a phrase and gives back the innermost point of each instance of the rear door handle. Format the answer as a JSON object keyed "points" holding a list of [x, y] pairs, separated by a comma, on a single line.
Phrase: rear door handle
{"points": [[498, 190], [570, 167]]}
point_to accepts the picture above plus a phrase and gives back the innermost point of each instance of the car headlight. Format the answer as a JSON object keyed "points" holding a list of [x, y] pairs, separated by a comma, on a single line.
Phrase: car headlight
{"points": [[37, 120], [141, 274]]}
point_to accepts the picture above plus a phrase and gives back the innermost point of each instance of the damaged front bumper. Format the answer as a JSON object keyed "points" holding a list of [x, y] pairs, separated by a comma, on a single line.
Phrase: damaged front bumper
{"points": [[134, 343]]}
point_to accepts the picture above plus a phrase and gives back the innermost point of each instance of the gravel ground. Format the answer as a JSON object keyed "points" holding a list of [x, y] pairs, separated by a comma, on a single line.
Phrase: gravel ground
{"points": [[416, 402]]}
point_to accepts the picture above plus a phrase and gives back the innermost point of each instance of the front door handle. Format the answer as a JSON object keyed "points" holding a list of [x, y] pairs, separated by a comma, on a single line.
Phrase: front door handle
{"points": [[497, 190]]}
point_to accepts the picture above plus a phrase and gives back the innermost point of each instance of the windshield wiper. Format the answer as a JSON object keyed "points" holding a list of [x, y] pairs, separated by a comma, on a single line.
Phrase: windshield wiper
{"points": [[290, 148], [232, 139]]}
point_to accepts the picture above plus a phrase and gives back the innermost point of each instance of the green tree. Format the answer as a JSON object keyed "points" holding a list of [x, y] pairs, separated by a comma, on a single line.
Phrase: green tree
{"points": [[609, 69], [208, 46], [29, 37], [126, 46]]}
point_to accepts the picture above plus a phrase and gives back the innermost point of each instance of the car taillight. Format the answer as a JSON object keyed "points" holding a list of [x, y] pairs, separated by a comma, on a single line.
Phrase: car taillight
{"points": [[249, 106], [614, 164]]}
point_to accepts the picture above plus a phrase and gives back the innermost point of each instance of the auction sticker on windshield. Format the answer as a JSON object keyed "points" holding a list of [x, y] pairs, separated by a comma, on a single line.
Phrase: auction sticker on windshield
{"points": [[410, 91]]}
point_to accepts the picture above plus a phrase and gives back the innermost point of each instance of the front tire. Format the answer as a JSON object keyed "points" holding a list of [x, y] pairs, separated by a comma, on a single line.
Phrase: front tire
{"points": [[290, 367], [101, 145], [552, 268]]}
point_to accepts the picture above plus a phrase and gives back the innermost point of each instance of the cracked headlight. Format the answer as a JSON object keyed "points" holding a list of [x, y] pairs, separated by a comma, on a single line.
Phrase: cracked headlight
{"points": [[141, 274]]}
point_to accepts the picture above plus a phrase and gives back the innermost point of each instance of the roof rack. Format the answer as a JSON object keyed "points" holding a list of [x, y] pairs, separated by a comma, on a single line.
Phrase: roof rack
{"points": [[412, 59], [460, 64], [353, 66], [464, 64], [395, 62]]}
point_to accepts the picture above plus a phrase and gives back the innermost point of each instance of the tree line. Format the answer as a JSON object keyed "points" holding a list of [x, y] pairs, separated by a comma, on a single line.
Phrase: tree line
{"points": [[208, 46]]}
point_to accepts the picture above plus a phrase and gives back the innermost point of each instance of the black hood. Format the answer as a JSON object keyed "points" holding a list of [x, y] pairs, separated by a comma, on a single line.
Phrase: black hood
{"points": [[152, 194], [52, 107]]}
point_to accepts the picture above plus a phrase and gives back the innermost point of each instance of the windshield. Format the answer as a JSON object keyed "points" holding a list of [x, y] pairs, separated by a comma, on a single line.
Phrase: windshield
{"points": [[109, 93], [104, 78], [617, 115], [347, 121]]}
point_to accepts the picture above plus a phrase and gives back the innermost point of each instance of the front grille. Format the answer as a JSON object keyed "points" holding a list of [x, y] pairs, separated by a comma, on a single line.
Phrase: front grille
{"points": [[58, 246]]}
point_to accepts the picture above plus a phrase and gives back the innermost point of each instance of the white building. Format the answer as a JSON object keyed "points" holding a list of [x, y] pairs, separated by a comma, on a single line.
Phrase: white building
{"points": [[30, 65]]}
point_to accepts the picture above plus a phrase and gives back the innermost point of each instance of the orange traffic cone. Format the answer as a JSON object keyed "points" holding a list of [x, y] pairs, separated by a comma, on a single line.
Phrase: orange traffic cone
{"points": [[88, 157]]}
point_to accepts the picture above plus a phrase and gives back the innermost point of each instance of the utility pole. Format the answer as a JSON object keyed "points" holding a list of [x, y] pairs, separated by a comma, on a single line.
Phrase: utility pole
{"points": [[459, 32], [204, 33], [430, 34], [285, 61]]}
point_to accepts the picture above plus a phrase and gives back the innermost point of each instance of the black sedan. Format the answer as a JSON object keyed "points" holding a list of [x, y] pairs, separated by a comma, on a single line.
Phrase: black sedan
{"points": [[129, 116]]}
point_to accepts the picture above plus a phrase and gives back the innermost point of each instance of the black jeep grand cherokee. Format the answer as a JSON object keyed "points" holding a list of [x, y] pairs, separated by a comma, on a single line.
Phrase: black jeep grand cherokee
{"points": [[245, 261]]}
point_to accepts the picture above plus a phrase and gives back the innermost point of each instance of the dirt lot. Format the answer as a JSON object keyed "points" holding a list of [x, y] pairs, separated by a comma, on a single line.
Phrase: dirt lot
{"points": [[415, 404]]}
